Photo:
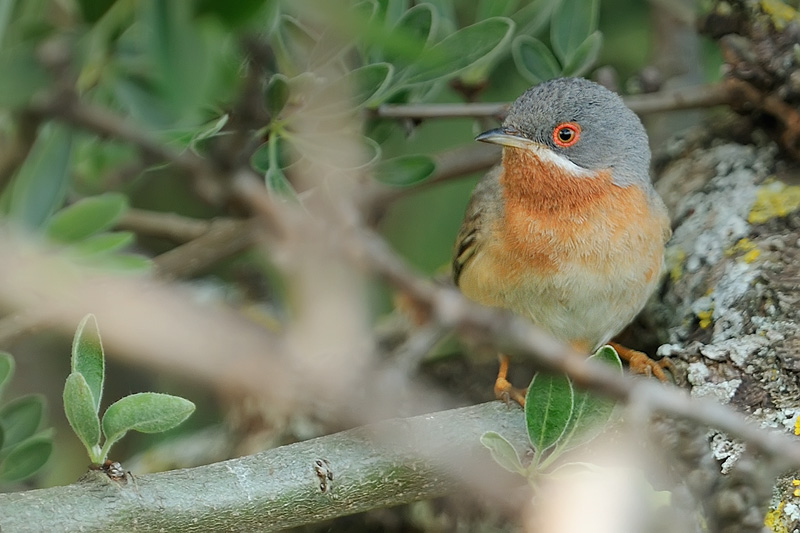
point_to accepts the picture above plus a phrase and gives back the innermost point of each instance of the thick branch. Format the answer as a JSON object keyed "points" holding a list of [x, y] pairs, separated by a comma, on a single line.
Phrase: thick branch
{"points": [[384, 464]]}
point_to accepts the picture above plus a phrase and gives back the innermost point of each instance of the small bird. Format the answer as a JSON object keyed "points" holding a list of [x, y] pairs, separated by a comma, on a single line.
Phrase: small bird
{"points": [[568, 230]]}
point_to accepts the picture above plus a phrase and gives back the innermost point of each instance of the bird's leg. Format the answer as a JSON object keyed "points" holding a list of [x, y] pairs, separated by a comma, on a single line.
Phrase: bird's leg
{"points": [[640, 363], [503, 389]]}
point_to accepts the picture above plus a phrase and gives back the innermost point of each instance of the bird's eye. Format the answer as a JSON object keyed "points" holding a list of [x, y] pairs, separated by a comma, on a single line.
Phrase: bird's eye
{"points": [[566, 134]]}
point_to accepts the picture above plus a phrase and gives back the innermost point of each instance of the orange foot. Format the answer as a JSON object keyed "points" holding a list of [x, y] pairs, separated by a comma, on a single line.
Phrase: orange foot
{"points": [[503, 389], [640, 363]]}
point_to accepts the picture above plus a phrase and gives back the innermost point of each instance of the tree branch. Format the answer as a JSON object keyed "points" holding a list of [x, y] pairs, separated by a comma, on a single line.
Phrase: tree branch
{"points": [[379, 465], [669, 100]]}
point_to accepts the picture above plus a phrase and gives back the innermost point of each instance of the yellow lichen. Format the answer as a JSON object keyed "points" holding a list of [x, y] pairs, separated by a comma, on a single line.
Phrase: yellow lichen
{"points": [[705, 318], [797, 426], [796, 482], [751, 256], [774, 520], [675, 258], [780, 13], [775, 199]]}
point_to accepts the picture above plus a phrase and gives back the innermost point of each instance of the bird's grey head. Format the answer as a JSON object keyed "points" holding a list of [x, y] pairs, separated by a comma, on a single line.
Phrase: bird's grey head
{"points": [[606, 134]]}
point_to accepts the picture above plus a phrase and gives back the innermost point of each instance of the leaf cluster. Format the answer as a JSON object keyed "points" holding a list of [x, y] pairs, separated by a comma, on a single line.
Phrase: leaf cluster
{"points": [[147, 412], [24, 446], [558, 418]]}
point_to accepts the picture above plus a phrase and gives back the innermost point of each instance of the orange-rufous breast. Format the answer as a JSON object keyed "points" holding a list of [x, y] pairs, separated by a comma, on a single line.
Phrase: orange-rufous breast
{"points": [[579, 255]]}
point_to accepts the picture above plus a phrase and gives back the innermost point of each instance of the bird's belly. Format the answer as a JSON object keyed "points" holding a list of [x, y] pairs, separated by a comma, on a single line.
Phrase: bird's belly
{"points": [[582, 293]]}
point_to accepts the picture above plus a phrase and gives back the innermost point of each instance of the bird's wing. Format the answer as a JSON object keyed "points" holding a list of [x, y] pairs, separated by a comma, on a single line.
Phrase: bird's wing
{"points": [[484, 208]]}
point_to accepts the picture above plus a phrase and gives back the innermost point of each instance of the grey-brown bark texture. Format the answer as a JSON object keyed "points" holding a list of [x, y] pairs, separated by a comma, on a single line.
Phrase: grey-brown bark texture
{"points": [[729, 305]]}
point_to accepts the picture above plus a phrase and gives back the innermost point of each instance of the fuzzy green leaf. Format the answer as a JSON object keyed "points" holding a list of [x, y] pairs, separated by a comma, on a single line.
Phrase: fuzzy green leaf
{"points": [[548, 409], [86, 217], [405, 170], [21, 75], [503, 452], [6, 369], [21, 418], [459, 50], [26, 458], [573, 21], [41, 183], [81, 411], [93, 10], [534, 16], [584, 56], [88, 358], [415, 29], [591, 412], [277, 94], [104, 243], [147, 412], [534, 60]]}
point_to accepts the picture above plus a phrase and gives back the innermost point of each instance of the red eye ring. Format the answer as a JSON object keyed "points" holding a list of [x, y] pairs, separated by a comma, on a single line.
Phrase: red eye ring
{"points": [[566, 134]]}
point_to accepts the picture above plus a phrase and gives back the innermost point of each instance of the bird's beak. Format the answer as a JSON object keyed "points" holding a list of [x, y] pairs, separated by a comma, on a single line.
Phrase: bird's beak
{"points": [[505, 137]]}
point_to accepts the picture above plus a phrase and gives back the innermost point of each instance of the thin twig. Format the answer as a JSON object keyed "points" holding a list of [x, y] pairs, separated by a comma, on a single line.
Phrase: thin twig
{"points": [[669, 100]]}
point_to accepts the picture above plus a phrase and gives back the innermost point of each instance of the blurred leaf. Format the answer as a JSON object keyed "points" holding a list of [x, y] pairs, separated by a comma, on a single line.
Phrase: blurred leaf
{"points": [[147, 412], [174, 39], [591, 412], [548, 409], [104, 243], [26, 458], [2, 440], [278, 185], [93, 10], [121, 263], [41, 183], [392, 10], [534, 60], [86, 217], [6, 369], [418, 24], [503, 452], [446, 12], [585, 56], [293, 45], [370, 82], [573, 21], [140, 99], [495, 8], [276, 94], [459, 50], [534, 16], [21, 418], [88, 358], [405, 170], [233, 14], [21, 75], [81, 412]]}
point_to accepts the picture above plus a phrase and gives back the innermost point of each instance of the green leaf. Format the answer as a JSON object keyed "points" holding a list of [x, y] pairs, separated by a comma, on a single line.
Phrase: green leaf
{"points": [[534, 59], [495, 8], [86, 217], [503, 452], [276, 94], [2, 440], [591, 412], [41, 183], [26, 458], [370, 82], [88, 358], [534, 16], [81, 412], [147, 412], [278, 185], [120, 263], [21, 75], [6, 369], [405, 170], [417, 24], [459, 50], [93, 10], [584, 56], [548, 408], [21, 418], [232, 14], [104, 243], [573, 21], [392, 10]]}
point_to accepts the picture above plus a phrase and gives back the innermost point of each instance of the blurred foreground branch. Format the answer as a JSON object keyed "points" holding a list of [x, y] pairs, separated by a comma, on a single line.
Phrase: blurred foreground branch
{"points": [[380, 465]]}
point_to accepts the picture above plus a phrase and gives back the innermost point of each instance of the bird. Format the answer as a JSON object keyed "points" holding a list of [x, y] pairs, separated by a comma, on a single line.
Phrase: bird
{"points": [[568, 230]]}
